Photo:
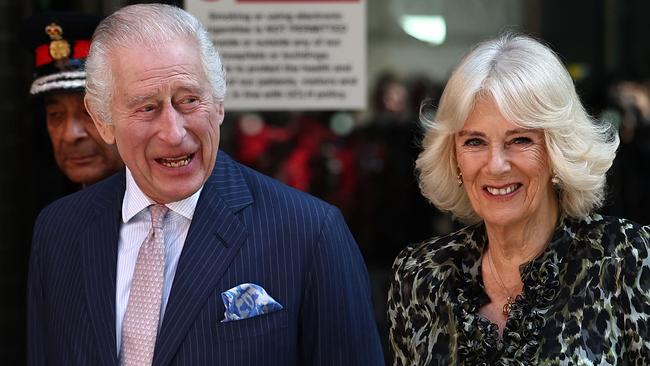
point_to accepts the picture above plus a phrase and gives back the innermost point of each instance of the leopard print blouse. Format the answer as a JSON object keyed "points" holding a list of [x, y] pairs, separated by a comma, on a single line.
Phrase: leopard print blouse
{"points": [[586, 300]]}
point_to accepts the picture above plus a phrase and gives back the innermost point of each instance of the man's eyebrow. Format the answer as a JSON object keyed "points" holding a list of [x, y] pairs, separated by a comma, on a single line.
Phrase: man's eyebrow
{"points": [[137, 99], [190, 86], [50, 101]]}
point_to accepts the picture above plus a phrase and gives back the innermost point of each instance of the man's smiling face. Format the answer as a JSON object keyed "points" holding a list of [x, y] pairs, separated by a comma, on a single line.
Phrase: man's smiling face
{"points": [[165, 120]]}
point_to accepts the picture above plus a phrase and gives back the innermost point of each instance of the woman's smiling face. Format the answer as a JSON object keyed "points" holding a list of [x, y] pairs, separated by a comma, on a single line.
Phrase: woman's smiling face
{"points": [[505, 168]]}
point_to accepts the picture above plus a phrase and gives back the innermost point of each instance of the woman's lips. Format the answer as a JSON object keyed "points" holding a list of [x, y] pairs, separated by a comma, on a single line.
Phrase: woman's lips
{"points": [[502, 191]]}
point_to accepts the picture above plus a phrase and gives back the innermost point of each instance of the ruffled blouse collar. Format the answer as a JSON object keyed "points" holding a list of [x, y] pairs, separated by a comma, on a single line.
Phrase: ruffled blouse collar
{"points": [[479, 342]]}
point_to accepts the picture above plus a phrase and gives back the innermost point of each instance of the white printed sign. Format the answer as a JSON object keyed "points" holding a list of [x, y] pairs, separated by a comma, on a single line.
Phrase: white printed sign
{"points": [[289, 54]]}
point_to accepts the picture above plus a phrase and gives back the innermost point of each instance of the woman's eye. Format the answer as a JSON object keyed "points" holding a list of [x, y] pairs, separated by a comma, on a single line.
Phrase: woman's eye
{"points": [[473, 142], [521, 140]]}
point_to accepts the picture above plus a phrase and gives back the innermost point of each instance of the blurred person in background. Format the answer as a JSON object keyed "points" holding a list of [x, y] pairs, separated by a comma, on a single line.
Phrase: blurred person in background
{"points": [[386, 147], [537, 277], [60, 41], [629, 110], [387, 210]]}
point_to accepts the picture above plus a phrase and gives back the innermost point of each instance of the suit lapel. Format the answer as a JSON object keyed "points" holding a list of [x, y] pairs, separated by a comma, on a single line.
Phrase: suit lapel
{"points": [[99, 255], [213, 240]]}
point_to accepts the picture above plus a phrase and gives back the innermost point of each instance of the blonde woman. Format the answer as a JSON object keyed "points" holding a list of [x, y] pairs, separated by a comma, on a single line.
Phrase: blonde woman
{"points": [[537, 277]]}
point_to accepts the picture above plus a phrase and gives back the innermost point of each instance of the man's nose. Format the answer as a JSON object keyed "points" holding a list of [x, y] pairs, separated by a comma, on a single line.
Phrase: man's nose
{"points": [[499, 162], [75, 128], [172, 126]]}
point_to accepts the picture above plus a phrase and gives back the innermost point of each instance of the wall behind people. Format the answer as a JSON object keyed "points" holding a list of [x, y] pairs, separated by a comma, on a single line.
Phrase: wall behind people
{"points": [[467, 22], [16, 183]]}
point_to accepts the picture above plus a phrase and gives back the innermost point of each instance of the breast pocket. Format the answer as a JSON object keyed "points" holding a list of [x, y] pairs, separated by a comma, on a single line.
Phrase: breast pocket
{"points": [[271, 323]]}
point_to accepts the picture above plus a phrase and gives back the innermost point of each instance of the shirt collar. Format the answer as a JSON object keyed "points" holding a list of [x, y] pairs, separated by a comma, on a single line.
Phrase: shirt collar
{"points": [[135, 201]]}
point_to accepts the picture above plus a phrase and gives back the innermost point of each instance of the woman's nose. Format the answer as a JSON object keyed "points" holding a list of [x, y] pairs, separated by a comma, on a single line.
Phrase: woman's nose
{"points": [[498, 163]]}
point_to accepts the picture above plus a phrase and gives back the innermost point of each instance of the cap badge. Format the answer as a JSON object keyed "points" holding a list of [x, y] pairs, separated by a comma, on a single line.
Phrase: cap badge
{"points": [[59, 47]]}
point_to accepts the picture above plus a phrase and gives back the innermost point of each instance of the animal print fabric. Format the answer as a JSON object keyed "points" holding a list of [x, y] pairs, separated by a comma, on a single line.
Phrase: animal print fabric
{"points": [[586, 300]]}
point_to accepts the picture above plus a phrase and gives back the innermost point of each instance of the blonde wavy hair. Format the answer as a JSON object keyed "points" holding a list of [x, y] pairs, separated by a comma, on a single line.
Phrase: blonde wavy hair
{"points": [[532, 89]]}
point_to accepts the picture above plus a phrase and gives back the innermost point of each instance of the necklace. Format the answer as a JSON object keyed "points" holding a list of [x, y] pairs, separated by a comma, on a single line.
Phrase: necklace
{"points": [[511, 298]]}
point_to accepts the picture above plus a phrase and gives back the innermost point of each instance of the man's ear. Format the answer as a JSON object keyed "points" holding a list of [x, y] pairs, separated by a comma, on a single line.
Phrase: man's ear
{"points": [[220, 112], [105, 130]]}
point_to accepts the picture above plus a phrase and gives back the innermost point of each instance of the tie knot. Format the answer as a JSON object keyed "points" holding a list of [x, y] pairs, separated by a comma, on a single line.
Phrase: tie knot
{"points": [[157, 215]]}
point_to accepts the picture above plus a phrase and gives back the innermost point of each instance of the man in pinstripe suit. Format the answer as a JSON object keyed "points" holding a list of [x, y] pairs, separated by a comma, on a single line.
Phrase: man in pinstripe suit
{"points": [[155, 88]]}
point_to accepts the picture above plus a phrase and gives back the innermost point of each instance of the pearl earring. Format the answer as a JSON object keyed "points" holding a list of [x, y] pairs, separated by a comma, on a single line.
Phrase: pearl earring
{"points": [[555, 179]]}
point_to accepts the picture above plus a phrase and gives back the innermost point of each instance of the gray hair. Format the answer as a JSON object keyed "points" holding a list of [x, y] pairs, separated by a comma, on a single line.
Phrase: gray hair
{"points": [[532, 89], [147, 25]]}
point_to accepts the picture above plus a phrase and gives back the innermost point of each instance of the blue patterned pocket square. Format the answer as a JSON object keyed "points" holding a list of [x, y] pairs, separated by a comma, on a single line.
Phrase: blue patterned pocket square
{"points": [[247, 300]]}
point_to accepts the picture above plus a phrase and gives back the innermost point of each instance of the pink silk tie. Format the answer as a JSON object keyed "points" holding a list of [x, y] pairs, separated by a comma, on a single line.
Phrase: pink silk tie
{"points": [[143, 309]]}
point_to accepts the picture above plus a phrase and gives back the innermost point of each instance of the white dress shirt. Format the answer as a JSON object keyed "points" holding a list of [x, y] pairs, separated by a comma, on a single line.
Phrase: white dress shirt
{"points": [[136, 223]]}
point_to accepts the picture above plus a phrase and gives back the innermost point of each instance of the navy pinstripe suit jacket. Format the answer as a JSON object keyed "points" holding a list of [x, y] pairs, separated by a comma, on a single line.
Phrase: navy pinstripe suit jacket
{"points": [[246, 228]]}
